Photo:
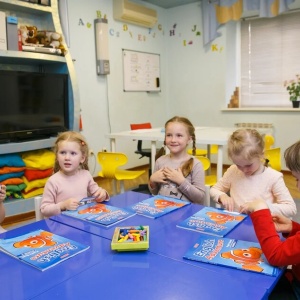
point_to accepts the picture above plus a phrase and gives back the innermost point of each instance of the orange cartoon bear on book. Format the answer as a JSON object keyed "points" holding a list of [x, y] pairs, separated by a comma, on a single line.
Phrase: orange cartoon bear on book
{"points": [[162, 203], [220, 218], [95, 209], [249, 258], [42, 240]]}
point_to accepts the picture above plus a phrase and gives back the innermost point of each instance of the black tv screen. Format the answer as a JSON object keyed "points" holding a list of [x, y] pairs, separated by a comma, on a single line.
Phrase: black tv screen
{"points": [[32, 105]]}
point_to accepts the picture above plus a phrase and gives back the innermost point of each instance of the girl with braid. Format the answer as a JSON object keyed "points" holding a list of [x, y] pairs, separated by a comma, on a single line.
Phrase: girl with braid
{"points": [[178, 174], [249, 178], [71, 180]]}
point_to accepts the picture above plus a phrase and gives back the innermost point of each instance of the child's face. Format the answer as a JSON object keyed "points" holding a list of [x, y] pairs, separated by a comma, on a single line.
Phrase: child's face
{"points": [[297, 176], [248, 167], [69, 157], [177, 137]]}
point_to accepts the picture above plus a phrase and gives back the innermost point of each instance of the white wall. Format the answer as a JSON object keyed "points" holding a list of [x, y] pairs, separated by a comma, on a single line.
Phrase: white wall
{"points": [[196, 81], [105, 106]]}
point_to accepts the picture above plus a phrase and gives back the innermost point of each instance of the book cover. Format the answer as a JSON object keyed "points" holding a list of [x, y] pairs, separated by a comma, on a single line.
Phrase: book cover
{"points": [[100, 213], [158, 206], [232, 253], [41, 249], [213, 221]]}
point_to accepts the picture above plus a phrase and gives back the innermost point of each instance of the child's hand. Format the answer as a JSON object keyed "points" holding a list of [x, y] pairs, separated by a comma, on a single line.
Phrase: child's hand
{"points": [[158, 177], [282, 224], [69, 204], [250, 207], [100, 195], [2, 192], [174, 175], [227, 202]]}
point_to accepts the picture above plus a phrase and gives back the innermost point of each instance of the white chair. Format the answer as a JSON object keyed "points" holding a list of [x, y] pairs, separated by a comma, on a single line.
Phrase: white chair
{"points": [[37, 208]]}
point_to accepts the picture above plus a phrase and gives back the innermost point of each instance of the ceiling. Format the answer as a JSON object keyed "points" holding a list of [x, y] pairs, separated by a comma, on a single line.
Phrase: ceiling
{"points": [[169, 3]]}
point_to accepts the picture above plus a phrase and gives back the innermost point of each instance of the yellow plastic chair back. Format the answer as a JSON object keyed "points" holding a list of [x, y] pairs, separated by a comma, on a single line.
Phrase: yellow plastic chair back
{"points": [[269, 141], [210, 180], [110, 163], [203, 152], [274, 157]]}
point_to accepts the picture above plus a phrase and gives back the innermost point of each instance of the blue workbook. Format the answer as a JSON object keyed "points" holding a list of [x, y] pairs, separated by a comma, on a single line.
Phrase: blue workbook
{"points": [[41, 249], [158, 206], [212, 221], [100, 213], [232, 253]]}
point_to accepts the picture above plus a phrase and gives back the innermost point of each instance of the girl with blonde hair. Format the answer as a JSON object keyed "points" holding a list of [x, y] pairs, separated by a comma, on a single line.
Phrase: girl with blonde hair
{"points": [[178, 174], [72, 180], [249, 177]]}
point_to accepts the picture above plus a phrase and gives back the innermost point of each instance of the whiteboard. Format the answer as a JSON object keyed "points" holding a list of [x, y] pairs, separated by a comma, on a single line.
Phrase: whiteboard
{"points": [[141, 71]]}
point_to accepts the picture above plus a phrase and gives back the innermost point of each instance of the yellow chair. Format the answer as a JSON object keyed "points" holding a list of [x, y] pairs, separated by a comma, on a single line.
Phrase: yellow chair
{"points": [[274, 157], [210, 180], [110, 163], [269, 141], [203, 152]]}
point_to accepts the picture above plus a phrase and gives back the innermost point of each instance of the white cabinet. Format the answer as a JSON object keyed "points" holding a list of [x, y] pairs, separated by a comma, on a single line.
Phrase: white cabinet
{"points": [[45, 18]]}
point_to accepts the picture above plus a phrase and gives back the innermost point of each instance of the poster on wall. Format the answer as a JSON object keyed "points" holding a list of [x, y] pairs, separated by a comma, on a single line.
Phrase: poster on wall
{"points": [[141, 71]]}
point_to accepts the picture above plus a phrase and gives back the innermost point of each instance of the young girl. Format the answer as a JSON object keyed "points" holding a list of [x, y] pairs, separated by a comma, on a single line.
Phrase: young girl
{"points": [[2, 208], [178, 174], [72, 181], [278, 252], [248, 178]]}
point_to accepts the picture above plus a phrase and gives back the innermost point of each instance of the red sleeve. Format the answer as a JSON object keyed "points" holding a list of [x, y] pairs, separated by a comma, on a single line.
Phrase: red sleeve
{"points": [[296, 228], [277, 252]]}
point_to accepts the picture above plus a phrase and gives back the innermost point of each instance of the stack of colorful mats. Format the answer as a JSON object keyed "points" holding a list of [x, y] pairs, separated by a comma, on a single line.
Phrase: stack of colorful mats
{"points": [[39, 167], [12, 169]]}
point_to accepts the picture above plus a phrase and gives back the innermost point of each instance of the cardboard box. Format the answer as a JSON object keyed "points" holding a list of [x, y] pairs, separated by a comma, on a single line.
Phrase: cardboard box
{"points": [[130, 238], [12, 33], [3, 38]]}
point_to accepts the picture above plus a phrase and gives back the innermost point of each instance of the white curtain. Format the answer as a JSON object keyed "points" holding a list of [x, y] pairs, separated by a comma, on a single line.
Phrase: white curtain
{"points": [[269, 56], [218, 12]]}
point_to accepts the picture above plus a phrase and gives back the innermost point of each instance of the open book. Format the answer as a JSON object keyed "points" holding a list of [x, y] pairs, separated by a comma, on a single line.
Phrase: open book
{"points": [[41, 249], [100, 213], [212, 221], [232, 253], [158, 206]]}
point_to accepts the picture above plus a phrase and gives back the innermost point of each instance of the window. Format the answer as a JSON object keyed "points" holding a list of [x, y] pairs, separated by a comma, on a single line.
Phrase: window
{"points": [[270, 54]]}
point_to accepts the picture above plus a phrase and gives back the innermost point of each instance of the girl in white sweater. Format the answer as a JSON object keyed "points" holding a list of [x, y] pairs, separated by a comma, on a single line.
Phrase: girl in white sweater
{"points": [[249, 178]]}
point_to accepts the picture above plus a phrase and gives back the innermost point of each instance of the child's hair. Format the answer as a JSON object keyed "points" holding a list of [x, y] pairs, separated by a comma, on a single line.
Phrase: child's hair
{"points": [[292, 157], [248, 143], [188, 165], [72, 136]]}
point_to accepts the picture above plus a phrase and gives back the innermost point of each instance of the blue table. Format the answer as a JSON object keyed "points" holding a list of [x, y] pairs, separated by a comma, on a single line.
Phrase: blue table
{"points": [[172, 242], [100, 273], [21, 281]]}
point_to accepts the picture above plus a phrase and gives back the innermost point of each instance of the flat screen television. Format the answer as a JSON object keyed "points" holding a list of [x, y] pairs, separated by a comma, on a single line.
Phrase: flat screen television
{"points": [[32, 105]]}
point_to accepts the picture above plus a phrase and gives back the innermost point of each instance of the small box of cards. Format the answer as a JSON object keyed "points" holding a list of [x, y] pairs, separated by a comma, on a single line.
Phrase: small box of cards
{"points": [[130, 238]]}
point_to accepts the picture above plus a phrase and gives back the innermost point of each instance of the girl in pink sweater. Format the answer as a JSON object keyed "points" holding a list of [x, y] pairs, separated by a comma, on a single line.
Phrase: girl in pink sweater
{"points": [[278, 252], [72, 180], [249, 178]]}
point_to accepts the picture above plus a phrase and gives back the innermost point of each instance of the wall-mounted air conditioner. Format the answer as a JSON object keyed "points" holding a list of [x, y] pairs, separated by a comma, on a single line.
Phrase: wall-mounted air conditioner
{"points": [[129, 12]]}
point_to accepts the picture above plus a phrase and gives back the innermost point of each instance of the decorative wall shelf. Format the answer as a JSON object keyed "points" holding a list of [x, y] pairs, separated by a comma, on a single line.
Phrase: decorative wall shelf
{"points": [[262, 109]]}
